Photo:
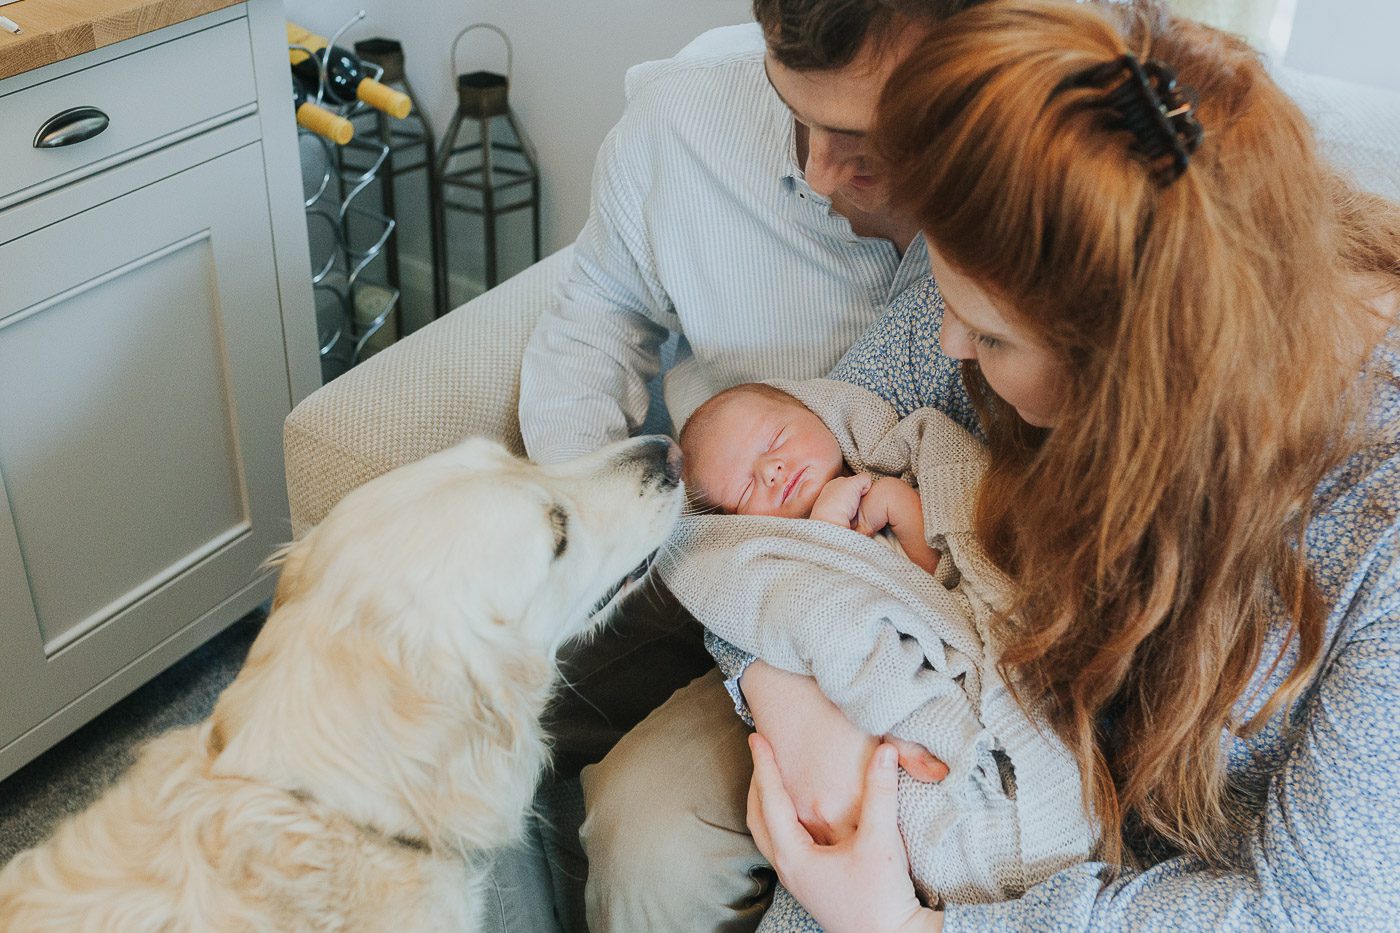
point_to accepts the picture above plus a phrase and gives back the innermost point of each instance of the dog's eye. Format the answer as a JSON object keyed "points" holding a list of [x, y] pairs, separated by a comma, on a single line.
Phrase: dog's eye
{"points": [[560, 520]]}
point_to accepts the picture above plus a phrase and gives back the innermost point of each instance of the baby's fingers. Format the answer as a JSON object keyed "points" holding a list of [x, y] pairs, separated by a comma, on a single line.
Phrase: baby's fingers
{"points": [[918, 762]]}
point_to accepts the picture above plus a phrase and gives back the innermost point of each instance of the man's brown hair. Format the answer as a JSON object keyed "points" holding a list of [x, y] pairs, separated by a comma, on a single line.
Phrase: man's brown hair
{"points": [[826, 35]]}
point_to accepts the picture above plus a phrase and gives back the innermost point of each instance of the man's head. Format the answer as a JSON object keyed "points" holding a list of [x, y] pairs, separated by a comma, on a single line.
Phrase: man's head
{"points": [[828, 61], [755, 450]]}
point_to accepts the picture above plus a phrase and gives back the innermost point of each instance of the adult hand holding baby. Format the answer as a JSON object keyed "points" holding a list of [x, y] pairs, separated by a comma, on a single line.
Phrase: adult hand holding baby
{"points": [[870, 863], [821, 755]]}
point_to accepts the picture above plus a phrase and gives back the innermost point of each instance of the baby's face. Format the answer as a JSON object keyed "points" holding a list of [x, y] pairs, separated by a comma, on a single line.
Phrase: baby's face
{"points": [[761, 456]]}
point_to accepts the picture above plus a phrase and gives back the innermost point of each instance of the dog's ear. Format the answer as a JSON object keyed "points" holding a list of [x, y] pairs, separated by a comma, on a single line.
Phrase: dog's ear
{"points": [[291, 583]]}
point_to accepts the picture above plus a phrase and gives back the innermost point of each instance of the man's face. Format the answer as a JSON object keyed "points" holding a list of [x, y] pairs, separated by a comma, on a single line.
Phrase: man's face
{"points": [[835, 109]]}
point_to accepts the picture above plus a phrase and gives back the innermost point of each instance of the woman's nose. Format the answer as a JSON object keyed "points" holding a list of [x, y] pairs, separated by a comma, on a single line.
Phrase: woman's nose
{"points": [[955, 341]]}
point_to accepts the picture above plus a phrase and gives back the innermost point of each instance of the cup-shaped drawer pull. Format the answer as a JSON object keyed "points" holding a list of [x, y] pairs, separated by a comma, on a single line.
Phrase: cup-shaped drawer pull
{"points": [[69, 127]]}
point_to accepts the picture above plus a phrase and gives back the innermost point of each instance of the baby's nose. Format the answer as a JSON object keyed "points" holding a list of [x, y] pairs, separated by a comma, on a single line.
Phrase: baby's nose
{"points": [[772, 470]]}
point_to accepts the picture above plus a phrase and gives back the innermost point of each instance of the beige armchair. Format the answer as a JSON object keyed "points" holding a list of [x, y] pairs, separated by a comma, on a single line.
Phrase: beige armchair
{"points": [[456, 378]]}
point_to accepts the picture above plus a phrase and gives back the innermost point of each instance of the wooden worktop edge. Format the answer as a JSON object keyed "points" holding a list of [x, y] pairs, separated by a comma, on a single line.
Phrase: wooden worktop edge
{"points": [[54, 30]]}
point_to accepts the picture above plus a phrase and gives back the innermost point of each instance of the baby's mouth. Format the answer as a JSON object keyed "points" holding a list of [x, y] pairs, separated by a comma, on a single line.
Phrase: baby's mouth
{"points": [[792, 483]]}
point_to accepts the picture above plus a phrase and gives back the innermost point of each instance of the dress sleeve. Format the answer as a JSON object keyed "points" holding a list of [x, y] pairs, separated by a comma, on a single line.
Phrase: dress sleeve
{"points": [[900, 360], [1325, 853], [583, 379], [732, 663]]}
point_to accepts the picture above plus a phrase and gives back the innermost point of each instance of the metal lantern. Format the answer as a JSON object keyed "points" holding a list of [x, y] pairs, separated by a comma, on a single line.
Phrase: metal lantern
{"points": [[479, 172]]}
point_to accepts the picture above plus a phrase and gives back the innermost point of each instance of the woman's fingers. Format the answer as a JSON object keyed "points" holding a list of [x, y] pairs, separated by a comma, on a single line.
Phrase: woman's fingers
{"points": [[861, 883], [754, 819], [771, 808], [879, 808], [918, 762]]}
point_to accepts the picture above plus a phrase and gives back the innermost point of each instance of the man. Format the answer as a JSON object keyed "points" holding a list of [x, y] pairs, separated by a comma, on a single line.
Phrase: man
{"points": [[736, 207]]}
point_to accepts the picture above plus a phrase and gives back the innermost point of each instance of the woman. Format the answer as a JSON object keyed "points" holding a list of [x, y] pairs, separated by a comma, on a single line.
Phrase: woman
{"points": [[1184, 351]]}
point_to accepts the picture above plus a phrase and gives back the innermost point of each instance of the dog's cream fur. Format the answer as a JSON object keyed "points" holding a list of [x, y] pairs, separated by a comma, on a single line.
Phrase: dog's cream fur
{"points": [[385, 728]]}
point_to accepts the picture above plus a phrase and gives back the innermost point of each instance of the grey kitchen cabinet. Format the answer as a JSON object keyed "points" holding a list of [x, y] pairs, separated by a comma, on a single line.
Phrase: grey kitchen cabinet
{"points": [[155, 330]]}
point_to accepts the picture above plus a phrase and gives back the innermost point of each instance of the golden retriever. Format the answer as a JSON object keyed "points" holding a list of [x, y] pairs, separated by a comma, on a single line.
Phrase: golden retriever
{"points": [[385, 728]]}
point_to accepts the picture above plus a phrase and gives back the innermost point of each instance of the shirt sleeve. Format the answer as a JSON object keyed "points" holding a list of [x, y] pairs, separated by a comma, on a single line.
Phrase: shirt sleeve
{"points": [[1324, 855], [583, 379]]}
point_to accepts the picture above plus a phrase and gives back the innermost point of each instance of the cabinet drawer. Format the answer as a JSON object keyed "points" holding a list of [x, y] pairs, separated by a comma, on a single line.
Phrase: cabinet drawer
{"points": [[149, 98]]}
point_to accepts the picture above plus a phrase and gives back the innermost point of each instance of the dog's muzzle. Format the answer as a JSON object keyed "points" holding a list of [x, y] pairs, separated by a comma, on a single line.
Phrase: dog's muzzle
{"points": [[624, 586], [660, 460]]}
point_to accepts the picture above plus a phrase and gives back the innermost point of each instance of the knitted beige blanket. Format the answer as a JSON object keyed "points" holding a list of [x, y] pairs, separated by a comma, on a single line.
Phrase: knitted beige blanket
{"points": [[899, 650]]}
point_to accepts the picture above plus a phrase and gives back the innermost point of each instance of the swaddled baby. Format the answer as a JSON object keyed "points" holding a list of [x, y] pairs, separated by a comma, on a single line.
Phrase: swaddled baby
{"points": [[756, 450], [899, 651]]}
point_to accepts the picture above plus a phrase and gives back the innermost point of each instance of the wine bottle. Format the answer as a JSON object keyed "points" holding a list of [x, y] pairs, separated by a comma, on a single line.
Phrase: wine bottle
{"points": [[318, 119], [346, 76]]}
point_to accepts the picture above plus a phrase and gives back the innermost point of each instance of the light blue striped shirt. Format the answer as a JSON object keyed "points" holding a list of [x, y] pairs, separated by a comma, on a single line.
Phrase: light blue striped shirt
{"points": [[701, 225]]}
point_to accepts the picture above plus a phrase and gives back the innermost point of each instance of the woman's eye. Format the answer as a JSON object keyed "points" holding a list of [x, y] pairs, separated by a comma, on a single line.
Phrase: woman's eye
{"points": [[984, 340]]}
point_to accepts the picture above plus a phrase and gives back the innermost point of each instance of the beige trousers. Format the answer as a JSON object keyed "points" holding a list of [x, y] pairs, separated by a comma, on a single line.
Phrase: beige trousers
{"points": [[668, 851]]}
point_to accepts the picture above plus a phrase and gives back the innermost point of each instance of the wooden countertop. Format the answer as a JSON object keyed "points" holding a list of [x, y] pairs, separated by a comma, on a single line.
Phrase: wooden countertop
{"points": [[52, 30]]}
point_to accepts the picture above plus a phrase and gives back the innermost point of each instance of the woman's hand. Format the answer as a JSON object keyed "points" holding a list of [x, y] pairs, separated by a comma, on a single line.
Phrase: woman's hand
{"points": [[860, 884], [822, 755], [917, 761]]}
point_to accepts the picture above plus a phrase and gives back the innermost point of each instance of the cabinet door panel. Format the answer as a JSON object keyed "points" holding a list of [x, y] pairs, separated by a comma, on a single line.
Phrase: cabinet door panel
{"points": [[152, 453], [20, 640], [142, 389]]}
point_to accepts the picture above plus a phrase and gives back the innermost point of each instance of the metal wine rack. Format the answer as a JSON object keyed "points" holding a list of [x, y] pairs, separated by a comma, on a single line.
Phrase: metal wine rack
{"points": [[354, 234]]}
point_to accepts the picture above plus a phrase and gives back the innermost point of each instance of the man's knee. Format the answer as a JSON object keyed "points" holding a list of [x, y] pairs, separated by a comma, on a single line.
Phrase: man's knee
{"points": [[665, 833]]}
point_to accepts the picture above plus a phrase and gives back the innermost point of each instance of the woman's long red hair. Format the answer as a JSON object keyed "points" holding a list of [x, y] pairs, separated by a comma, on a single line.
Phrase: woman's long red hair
{"points": [[1213, 331]]}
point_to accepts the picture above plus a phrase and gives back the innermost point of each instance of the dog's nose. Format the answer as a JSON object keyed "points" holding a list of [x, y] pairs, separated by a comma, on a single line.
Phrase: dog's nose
{"points": [[673, 462], [661, 460]]}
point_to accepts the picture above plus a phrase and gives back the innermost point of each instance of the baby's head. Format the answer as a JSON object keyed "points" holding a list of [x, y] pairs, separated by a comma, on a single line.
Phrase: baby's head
{"points": [[755, 450]]}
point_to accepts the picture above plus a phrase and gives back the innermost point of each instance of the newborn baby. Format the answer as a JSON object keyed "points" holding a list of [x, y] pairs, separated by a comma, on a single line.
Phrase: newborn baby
{"points": [[755, 450]]}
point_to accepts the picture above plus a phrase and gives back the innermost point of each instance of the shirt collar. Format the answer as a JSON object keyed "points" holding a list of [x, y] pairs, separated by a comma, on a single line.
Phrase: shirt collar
{"points": [[784, 139]]}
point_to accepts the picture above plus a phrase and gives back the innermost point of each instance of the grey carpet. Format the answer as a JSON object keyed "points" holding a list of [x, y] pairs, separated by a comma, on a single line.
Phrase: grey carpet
{"points": [[72, 774]]}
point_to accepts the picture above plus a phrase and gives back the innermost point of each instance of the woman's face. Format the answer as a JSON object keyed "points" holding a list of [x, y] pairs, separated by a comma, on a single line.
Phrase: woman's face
{"points": [[1018, 367]]}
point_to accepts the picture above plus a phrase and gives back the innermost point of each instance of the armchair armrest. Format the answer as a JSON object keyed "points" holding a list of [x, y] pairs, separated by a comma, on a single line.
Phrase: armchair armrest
{"points": [[457, 377]]}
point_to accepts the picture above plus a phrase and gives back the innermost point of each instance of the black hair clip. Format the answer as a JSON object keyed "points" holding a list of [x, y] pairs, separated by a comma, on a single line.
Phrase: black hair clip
{"points": [[1158, 112]]}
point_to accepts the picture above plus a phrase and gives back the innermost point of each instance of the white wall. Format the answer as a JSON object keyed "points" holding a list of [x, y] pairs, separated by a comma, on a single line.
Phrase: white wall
{"points": [[570, 56], [1358, 40]]}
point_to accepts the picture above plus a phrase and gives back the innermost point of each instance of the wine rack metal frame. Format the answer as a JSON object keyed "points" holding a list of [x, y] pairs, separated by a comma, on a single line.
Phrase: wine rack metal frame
{"points": [[333, 204]]}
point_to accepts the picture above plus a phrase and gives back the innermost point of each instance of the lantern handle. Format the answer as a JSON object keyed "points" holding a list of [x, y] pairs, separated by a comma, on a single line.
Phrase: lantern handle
{"points": [[510, 52]]}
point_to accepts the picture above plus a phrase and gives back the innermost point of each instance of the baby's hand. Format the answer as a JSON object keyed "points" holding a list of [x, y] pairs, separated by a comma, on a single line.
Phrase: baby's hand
{"points": [[839, 502], [895, 503]]}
